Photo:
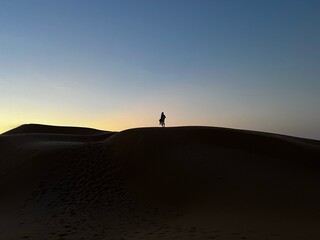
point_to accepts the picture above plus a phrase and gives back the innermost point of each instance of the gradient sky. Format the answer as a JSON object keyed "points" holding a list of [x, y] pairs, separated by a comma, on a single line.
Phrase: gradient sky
{"points": [[114, 65]]}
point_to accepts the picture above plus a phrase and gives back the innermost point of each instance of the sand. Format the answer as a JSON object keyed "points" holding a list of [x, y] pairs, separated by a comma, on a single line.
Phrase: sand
{"points": [[157, 183]]}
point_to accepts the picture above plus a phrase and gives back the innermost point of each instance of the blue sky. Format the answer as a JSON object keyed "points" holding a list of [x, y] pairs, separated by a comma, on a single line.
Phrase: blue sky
{"points": [[118, 64]]}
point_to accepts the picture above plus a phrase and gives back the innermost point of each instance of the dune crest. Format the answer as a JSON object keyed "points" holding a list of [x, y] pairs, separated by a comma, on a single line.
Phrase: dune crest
{"points": [[40, 128], [157, 183]]}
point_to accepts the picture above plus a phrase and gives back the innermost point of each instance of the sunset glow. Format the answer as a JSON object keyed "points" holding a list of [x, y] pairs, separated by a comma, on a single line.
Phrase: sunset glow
{"points": [[116, 65]]}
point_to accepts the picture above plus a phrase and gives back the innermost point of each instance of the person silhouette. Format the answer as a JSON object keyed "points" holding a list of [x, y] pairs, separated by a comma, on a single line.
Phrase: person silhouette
{"points": [[162, 119]]}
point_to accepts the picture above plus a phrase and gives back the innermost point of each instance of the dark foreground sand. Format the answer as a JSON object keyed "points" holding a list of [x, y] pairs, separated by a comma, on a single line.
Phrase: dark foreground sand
{"points": [[155, 183]]}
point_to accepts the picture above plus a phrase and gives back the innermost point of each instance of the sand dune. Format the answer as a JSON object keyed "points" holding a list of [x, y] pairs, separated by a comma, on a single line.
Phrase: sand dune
{"points": [[157, 183], [38, 128]]}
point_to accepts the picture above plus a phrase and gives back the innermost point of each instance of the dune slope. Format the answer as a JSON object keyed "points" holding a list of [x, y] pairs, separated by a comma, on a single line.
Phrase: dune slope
{"points": [[157, 183]]}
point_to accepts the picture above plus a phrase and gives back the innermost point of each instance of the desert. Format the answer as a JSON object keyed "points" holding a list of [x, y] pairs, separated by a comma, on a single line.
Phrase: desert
{"points": [[157, 183]]}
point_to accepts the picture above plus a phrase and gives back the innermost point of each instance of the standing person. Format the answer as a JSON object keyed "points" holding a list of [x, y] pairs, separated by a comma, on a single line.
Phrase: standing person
{"points": [[162, 119]]}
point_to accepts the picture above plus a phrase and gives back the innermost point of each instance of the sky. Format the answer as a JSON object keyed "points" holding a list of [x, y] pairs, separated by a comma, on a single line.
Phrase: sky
{"points": [[114, 65]]}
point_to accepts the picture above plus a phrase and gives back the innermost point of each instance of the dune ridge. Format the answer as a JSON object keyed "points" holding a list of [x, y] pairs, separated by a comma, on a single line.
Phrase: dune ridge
{"points": [[41, 128], [157, 183]]}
